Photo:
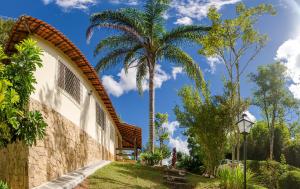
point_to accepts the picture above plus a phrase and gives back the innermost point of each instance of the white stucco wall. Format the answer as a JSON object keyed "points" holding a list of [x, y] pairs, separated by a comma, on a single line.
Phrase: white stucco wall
{"points": [[84, 114]]}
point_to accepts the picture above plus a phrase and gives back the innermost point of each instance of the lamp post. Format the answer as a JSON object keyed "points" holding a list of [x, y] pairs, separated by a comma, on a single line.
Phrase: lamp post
{"points": [[245, 125]]}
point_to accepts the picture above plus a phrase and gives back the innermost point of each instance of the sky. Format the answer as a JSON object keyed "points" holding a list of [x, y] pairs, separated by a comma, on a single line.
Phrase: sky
{"points": [[71, 17]]}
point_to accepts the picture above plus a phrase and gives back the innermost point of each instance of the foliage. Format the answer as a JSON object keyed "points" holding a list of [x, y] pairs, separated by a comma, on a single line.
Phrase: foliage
{"points": [[21, 69], [268, 172], [16, 85], [162, 134], [141, 41], [233, 178], [258, 141], [206, 119], [6, 26], [3, 185], [190, 163], [292, 153], [230, 41], [150, 158], [161, 131], [194, 161], [290, 179], [272, 96]]}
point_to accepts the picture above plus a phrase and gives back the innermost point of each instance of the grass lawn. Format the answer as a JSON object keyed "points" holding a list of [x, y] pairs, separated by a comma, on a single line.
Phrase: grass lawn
{"points": [[128, 175]]}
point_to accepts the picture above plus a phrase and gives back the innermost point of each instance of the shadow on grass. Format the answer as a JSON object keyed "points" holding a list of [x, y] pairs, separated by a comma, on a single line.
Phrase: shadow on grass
{"points": [[127, 175]]}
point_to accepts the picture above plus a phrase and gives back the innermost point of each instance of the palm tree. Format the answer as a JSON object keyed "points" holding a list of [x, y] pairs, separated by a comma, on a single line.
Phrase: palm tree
{"points": [[141, 41]]}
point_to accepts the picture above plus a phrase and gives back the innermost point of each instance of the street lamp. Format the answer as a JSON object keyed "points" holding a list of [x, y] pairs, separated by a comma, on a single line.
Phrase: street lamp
{"points": [[245, 125]]}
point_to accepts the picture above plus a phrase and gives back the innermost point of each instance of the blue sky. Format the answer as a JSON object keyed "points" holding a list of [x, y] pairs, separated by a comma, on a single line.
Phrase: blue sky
{"points": [[72, 18]]}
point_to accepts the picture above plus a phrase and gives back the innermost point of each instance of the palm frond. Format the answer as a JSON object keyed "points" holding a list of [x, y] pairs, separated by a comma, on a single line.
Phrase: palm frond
{"points": [[130, 57], [126, 17], [141, 74], [190, 33], [120, 27], [112, 42], [154, 10], [111, 59], [181, 58]]}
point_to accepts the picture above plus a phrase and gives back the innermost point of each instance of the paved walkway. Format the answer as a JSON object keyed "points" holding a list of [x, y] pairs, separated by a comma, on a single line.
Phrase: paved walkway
{"points": [[71, 180]]}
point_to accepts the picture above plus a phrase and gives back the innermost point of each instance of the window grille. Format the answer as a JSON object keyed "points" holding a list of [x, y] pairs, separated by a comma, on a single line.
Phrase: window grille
{"points": [[100, 116], [68, 81]]}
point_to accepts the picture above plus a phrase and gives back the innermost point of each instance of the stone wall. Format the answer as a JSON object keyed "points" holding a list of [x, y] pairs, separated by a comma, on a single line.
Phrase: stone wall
{"points": [[65, 148], [13, 165]]}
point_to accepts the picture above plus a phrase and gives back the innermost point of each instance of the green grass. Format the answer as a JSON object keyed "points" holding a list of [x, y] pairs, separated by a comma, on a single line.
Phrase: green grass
{"points": [[129, 175], [126, 175], [203, 183]]}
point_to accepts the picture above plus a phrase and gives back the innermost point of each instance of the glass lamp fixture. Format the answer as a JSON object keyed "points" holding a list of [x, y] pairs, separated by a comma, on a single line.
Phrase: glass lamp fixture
{"points": [[245, 124]]}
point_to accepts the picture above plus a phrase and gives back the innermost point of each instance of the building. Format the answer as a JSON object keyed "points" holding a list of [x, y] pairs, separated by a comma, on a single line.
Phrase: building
{"points": [[83, 126]]}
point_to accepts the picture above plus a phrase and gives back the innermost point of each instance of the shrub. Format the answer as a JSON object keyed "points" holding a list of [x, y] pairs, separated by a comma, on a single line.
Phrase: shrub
{"points": [[269, 172], [289, 180], [292, 154], [3, 185], [190, 163], [233, 178], [150, 158]]}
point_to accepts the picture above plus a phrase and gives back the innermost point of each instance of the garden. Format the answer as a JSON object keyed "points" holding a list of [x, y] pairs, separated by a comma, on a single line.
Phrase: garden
{"points": [[217, 146]]}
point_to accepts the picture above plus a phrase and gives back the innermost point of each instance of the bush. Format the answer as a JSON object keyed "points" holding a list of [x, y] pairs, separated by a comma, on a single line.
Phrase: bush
{"points": [[233, 178], [190, 163], [150, 158], [268, 172], [290, 180], [3, 185], [292, 154]]}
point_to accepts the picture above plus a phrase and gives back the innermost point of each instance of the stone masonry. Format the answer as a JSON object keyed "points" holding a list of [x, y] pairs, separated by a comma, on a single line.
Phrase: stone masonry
{"points": [[65, 148]]}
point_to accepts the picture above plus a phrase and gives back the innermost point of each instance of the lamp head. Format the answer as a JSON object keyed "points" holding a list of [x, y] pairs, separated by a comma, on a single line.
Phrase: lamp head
{"points": [[245, 124]]}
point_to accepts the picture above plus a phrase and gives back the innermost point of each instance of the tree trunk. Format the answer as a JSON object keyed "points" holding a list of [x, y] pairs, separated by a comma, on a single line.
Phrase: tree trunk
{"points": [[160, 146], [239, 112], [151, 109], [272, 138]]}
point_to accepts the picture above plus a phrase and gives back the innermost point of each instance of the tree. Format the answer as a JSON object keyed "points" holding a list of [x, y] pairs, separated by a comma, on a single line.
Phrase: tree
{"points": [[16, 85], [231, 41], [5, 29], [258, 143], [141, 42], [162, 134], [194, 160], [206, 118], [272, 96]]}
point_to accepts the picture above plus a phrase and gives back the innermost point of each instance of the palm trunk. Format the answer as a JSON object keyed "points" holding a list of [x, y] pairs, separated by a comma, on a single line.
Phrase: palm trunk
{"points": [[151, 109]]}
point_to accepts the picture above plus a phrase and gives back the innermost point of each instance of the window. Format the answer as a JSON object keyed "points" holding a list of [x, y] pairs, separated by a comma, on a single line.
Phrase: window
{"points": [[100, 116], [69, 82]]}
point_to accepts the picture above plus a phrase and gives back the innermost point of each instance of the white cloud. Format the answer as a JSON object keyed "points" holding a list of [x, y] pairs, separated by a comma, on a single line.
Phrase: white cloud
{"points": [[127, 2], [176, 142], [127, 82], [250, 116], [289, 54], [198, 9], [179, 144], [176, 71], [212, 62], [171, 127], [184, 21], [72, 4]]}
